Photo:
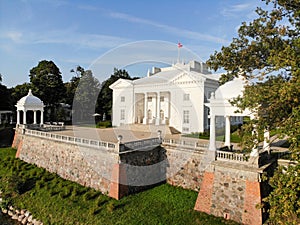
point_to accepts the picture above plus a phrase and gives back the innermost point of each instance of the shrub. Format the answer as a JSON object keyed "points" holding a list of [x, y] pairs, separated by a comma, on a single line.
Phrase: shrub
{"points": [[104, 124]]}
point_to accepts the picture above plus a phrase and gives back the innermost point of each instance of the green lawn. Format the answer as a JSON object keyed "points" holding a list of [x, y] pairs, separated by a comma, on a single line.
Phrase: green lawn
{"points": [[54, 200]]}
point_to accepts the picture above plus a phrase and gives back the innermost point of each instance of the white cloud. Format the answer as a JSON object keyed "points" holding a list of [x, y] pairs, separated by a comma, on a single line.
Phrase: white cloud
{"points": [[67, 37], [15, 36], [235, 10], [169, 29]]}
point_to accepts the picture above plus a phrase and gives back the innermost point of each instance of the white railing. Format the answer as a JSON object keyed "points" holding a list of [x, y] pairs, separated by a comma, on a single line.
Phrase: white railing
{"points": [[185, 143], [74, 140], [231, 156], [140, 144]]}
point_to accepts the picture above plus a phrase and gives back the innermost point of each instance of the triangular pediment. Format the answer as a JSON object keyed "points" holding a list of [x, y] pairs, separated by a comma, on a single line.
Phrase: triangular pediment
{"points": [[186, 77], [121, 83]]}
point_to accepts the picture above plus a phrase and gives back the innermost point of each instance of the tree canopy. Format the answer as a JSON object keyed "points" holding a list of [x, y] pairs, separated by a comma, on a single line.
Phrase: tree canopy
{"points": [[266, 52], [47, 83], [105, 95]]}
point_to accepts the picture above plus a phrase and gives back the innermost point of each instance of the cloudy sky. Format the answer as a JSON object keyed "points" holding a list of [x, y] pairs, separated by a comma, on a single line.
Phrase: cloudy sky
{"points": [[79, 32]]}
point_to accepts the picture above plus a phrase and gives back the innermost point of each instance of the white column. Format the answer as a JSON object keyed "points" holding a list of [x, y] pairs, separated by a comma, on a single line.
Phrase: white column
{"points": [[24, 117], [254, 151], [18, 117], [157, 122], [34, 117], [42, 117], [266, 146], [212, 133], [145, 109], [227, 131], [0, 118]]}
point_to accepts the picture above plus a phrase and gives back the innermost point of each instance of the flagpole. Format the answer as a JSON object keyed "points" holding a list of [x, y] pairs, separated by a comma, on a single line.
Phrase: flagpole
{"points": [[178, 54], [179, 46]]}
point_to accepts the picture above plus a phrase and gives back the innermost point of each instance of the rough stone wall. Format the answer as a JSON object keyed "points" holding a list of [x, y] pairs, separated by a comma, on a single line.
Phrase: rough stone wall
{"points": [[229, 193], [232, 191], [86, 166], [184, 168]]}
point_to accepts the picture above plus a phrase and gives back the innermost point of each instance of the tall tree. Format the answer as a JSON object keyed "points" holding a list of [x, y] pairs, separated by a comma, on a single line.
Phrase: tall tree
{"points": [[47, 84], [85, 98], [71, 86], [5, 97], [266, 52], [105, 96]]}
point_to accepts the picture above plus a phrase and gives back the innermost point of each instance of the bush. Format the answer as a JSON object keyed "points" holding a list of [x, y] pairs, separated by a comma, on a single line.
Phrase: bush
{"points": [[104, 124]]}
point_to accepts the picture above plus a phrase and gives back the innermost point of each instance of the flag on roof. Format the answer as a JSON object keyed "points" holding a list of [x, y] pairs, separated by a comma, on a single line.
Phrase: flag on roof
{"points": [[179, 45]]}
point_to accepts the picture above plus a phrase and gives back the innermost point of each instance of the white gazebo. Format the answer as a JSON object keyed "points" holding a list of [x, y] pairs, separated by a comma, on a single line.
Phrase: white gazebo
{"points": [[219, 104], [30, 103]]}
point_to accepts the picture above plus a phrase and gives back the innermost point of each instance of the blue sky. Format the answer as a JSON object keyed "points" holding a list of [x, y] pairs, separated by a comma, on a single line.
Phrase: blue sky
{"points": [[78, 32]]}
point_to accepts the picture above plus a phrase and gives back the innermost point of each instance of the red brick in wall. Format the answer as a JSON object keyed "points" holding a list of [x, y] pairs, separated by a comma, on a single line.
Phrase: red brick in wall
{"points": [[251, 214], [118, 187], [203, 202]]}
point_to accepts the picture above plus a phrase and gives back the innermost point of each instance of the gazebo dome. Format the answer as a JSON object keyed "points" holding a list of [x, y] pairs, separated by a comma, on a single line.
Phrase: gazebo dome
{"points": [[231, 89], [30, 100]]}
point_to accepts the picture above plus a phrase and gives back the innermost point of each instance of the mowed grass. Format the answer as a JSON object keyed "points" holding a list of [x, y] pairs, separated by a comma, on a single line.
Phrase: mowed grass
{"points": [[54, 200]]}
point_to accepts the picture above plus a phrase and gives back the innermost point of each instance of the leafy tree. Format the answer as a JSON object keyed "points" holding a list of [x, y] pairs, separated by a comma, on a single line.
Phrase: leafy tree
{"points": [[5, 97], [47, 84], [71, 86], [19, 91], [266, 52], [105, 96]]}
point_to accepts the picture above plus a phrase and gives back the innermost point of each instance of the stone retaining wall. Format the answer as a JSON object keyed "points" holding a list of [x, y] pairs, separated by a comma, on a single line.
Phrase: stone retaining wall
{"points": [[184, 168]]}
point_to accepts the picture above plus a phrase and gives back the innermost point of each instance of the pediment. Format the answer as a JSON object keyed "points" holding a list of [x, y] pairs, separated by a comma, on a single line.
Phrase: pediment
{"points": [[186, 78], [121, 83]]}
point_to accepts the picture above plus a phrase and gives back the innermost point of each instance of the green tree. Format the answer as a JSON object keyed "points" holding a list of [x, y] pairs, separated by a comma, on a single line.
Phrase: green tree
{"points": [[47, 84], [105, 96], [85, 97], [5, 97], [71, 86], [19, 91], [266, 52]]}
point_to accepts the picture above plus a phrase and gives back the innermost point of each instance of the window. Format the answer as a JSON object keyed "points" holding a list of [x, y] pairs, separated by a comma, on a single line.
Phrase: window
{"points": [[162, 114], [122, 98], [185, 129], [149, 114], [186, 97], [149, 99], [122, 114], [186, 116], [162, 99]]}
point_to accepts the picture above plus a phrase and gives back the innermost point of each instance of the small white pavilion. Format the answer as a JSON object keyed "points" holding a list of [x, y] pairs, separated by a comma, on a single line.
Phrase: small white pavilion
{"points": [[219, 104], [30, 103]]}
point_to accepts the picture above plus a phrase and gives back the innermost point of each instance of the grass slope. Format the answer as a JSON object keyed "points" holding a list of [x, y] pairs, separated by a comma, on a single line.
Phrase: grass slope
{"points": [[54, 200]]}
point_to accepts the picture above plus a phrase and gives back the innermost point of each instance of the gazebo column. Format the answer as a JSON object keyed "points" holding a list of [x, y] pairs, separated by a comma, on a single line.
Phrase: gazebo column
{"points": [[145, 109], [212, 133], [266, 146], [157, 122], [42, 117], [227, 131], [254, 151], [34, 117], [24, 117], [18, 117]]}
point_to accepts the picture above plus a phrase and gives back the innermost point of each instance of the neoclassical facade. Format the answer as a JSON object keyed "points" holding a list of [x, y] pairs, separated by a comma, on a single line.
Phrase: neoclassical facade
{"points": [[173, 96], [30, 103]]}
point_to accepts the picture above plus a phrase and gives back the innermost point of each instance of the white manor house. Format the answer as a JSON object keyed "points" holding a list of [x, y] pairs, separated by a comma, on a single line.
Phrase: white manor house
{"points": [[173, 96]]}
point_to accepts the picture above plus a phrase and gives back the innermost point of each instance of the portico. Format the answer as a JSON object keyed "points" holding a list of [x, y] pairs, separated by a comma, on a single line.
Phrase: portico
{"points": [[153, 107]]}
